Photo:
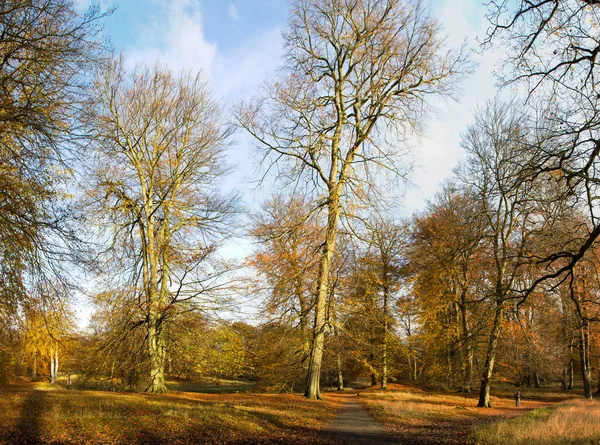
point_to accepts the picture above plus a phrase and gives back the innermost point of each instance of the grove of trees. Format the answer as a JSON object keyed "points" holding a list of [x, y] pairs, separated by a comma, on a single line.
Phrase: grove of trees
{"points": [[113, 184]]}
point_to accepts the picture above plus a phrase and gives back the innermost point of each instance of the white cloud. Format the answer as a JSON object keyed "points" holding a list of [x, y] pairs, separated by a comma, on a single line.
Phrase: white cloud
{"points": [[233, 13], [177, 40], [439, 149]]}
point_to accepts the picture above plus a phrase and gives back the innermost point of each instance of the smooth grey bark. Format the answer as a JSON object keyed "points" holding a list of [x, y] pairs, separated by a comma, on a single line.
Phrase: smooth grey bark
{"points": [[384, 351], [584, 355]]}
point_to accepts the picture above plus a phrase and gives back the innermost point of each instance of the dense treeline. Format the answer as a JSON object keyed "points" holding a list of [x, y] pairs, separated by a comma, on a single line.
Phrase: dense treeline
{"points": [[118, 176]]}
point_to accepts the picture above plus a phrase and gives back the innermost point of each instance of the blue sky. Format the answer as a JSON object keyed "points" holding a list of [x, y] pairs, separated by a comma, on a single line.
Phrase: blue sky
{"points": [[237, 44]]}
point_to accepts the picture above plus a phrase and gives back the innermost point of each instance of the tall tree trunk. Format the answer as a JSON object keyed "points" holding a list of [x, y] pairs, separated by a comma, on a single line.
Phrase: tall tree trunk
{"points": [[156, 351], [584, 354], [313, 378], [597, 393], [467, 350], [56, 363], [571, 364], [384, 369], [340, 379], [52, 372], [415, 368], [34, 367], [490, 357], [536, 379], [571, 374]]}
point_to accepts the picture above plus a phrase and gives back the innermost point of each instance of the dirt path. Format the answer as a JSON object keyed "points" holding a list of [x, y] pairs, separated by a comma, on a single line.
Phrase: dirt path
{"points": [[354, 425]]}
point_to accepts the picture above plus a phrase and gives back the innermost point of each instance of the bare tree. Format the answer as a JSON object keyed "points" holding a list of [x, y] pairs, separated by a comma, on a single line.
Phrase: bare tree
{"points": [[356, 74], [499, 158], [387, 253], [159, 141], [553, 51]]}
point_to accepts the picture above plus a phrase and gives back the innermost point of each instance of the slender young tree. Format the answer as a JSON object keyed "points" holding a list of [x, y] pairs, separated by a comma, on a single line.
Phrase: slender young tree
{"points": [[356, 73], [159, 141], [446, 262]]}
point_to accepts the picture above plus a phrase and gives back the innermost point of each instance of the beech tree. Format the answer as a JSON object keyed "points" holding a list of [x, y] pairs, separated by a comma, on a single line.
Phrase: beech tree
{"points": [[287, 236], [445, 263], [498, 172], [356, 73], [159, 141]]}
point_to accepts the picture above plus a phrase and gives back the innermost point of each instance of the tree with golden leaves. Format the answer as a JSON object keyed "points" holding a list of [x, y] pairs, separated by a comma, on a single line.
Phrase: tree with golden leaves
{"points": [[159, 141]]}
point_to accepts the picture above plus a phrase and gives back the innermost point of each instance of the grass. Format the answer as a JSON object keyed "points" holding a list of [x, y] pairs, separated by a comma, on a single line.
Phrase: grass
{"points": [[576, 422], [211, 386], [41, 413], [418, 416]]}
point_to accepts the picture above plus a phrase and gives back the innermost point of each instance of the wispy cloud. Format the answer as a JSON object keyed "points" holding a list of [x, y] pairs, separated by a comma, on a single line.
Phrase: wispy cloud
{"points": [[233, 13], [177, 38]]}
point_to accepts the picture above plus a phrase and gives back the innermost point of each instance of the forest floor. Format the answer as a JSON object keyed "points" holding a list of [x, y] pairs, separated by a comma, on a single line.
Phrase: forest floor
{"points": [[407, 415]]}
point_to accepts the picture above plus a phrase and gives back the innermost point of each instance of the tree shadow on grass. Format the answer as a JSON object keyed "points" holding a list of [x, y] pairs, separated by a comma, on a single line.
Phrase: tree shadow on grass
{"points": [[28, 427]]}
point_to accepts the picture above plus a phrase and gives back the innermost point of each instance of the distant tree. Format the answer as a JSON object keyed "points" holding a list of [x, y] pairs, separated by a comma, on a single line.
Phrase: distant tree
{"points": [[387, 255], [445, 265], [356, 74], [287, 237]]}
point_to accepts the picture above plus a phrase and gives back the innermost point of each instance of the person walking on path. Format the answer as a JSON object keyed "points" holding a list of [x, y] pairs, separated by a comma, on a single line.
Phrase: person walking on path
{"points": [[518, 398]]}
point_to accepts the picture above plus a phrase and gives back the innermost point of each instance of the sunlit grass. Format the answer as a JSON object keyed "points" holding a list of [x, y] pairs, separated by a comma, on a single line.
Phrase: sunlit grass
{"points": [[67, 416], [575, 422], [452, 417]]}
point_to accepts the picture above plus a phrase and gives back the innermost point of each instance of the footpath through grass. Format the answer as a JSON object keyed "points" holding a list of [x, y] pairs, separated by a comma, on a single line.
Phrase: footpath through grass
{"points": [[419, 417], [40, 413]]}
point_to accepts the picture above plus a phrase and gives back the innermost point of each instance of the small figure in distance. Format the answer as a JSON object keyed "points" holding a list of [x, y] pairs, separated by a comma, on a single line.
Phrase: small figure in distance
{"points": [[518, 398]]}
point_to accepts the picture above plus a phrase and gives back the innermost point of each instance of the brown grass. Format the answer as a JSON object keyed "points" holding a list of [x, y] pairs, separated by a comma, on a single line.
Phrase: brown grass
{"points": [[416, 416], [40, 413], [575, 422]]}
